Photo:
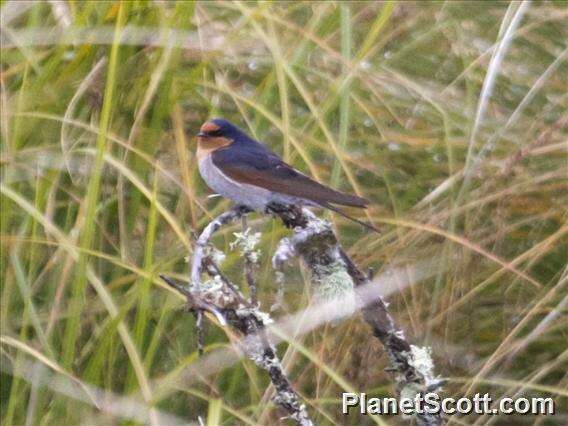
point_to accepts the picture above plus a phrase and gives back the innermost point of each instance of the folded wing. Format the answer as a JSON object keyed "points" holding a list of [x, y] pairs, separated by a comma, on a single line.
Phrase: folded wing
{"points": [[261, 167]]}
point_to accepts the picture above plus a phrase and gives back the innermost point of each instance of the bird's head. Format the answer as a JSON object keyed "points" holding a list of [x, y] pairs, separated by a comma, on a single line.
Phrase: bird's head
{"points": [[215, 134], [218, 127]]}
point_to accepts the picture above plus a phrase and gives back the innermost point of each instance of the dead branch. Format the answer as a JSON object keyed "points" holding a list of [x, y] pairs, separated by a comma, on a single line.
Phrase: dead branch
{"points": [[316, 244], [313, 241], [222, 298]]}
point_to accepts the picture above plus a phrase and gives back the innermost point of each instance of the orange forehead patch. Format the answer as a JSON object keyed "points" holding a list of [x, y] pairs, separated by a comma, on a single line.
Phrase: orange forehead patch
{"points": [[209, 127]]}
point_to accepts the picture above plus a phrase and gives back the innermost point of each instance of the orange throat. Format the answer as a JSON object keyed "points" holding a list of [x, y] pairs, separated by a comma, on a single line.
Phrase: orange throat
{"points": [[206, 146]]}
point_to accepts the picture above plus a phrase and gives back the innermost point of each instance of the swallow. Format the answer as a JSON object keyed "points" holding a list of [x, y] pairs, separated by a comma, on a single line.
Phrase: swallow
{"points": [[247, 172]]}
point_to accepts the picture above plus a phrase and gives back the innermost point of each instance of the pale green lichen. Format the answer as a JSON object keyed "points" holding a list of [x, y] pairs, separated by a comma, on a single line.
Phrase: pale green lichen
{"points": [[334, 283], [246, 242], [217, 255], [421, 360], [245, 311], [216, 292], [254, 346], [213, 284], [317, 226]]}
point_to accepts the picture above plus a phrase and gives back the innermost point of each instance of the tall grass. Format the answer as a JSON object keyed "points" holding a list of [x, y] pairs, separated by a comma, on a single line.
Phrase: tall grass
{"points": [[449, 116]]}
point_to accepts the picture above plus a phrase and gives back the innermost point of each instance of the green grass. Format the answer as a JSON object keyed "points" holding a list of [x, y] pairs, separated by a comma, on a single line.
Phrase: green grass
{"points": [[449, 116]]}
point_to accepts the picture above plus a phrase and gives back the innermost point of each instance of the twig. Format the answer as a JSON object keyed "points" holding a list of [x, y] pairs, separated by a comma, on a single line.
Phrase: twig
{"points": [[315, 243], [224, 300], [201, 245], [250, 262], [200, 258]]}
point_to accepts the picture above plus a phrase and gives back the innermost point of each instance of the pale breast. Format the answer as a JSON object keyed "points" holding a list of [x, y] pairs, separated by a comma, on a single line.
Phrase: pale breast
{"points": [[241, 193]]}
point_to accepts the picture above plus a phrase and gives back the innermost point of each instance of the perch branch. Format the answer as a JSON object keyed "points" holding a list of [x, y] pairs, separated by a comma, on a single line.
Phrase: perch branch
{"points": [[201, 245], [222, 298], [315, 243], [201, 257]]}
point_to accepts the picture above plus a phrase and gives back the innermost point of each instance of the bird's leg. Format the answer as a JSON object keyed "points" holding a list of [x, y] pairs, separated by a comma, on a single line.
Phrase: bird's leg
{"points": [[291, 215], [242, 209]]}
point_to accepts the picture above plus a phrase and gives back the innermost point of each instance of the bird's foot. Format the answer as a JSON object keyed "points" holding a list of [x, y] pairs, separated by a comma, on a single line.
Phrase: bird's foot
{"points": [[241, 208]]}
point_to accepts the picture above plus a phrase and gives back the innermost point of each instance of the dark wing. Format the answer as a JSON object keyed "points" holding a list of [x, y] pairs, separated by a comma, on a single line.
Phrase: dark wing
{"points": [[260, 167]]}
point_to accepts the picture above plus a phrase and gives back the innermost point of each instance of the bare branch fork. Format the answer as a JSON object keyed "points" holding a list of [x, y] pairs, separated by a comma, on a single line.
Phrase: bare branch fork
{"points": [[315, 243], [224, 300]]}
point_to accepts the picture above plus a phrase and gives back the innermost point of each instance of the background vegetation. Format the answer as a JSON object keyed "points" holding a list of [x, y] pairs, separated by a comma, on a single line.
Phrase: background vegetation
{"points": [[450, 116]]}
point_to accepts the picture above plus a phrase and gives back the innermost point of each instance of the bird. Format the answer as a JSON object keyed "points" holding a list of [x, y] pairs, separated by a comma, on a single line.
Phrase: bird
{"points": [[239, 168]]}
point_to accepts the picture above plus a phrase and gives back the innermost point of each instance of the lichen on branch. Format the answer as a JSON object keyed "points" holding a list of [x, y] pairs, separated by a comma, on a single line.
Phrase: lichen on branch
{"points": [[314, 242], [335, 277], [222, 298]]}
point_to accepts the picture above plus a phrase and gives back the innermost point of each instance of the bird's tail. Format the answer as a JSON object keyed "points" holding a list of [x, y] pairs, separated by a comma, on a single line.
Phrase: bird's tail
{"points": [[346, 216]]}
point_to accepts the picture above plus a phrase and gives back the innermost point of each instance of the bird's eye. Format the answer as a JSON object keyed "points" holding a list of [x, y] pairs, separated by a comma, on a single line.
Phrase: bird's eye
{"points": [[214, 133]]}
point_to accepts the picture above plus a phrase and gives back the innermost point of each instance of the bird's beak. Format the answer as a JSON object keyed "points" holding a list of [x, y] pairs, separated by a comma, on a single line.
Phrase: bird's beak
{"points": [[201, 135]]}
